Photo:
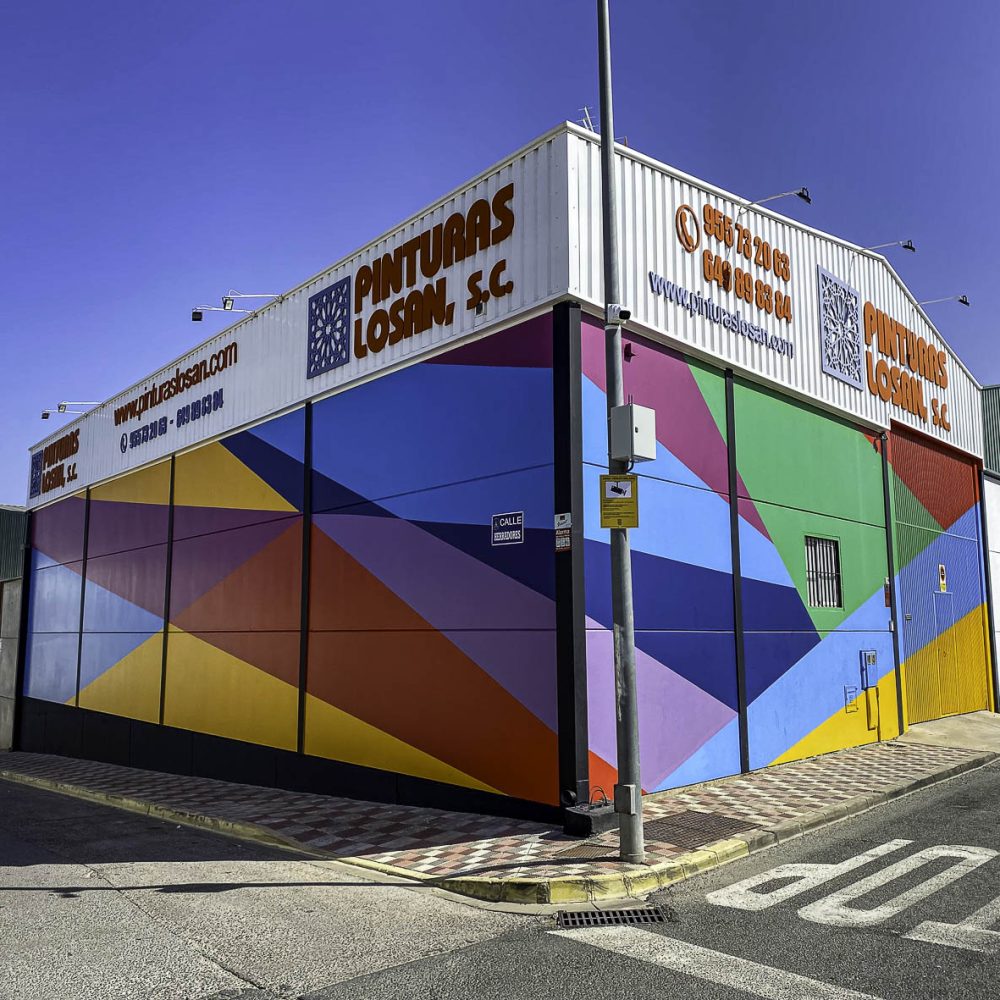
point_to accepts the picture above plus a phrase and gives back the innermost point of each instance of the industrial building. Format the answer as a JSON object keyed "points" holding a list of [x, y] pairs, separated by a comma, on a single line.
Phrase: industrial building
{"points": [[353, 542]]}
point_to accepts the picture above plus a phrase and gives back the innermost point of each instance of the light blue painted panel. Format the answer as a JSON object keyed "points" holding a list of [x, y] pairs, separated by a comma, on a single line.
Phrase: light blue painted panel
{"points": [[105, 611], [50, 666], [716, 758], [54, 599], [675, 522], [102, 650], [811, 691]]}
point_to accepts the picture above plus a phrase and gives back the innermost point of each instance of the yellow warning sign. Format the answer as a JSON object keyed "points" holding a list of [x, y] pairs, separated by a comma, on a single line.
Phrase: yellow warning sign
{"points": [[619, 501]]}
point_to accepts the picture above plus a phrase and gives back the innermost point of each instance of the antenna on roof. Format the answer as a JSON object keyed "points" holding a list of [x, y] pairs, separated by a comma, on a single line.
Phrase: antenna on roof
{"points": [[586, 121]]}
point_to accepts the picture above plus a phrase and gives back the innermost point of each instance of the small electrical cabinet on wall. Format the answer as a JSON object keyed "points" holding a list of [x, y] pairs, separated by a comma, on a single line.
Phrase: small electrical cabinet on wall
{"points": [[869, 683], [633, 433]]}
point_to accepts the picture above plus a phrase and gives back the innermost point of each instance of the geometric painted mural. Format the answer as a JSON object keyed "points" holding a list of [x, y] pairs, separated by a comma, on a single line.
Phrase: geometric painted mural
{"points": [[799, 473], [431, 653], [681, 571]]}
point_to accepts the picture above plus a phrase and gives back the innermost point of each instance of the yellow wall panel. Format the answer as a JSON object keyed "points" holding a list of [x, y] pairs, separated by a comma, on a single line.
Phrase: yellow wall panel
{"points": [[212, 476], [211, 691], [849, 727], [931, 696], [150, 485], [334, 734], [131, 688]]}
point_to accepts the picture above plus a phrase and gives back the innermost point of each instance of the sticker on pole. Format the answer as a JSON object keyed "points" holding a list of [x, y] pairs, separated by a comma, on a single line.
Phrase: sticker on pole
{"points": [[619, 501], [508, 529], [564, 532]]}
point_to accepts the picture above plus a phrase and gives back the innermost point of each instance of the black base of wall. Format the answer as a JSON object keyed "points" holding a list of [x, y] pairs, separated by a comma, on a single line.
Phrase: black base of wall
{"points": [[48, 727]]}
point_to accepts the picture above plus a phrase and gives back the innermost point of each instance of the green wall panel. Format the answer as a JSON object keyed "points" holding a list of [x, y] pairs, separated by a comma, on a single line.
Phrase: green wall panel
{"points": [[792, 455]]}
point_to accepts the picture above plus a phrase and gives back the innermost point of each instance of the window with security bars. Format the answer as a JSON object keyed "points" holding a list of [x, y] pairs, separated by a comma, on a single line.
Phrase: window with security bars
{"points": [[823, 572]]}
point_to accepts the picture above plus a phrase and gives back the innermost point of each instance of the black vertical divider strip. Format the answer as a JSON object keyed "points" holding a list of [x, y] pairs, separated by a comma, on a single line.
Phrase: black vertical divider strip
{"points": [[890, 561], [988, 583], [307, 461], [734, 540], [168, 582], [571, 635], [22, 634], [83, 594]]}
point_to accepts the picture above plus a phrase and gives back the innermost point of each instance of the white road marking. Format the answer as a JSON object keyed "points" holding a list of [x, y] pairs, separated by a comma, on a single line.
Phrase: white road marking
{"points": [[972, 934], [743, 895], [833, 909], [710, 966]]}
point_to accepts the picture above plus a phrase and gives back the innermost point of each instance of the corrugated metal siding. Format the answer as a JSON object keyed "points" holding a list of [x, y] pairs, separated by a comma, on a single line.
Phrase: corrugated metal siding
{"points": [[12, 529], [991, 428], [650, 193], [270, 376], [943, 633]]}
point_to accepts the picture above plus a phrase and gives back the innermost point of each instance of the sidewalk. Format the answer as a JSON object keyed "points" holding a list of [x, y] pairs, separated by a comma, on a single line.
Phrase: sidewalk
{"points": [[513, 861]]}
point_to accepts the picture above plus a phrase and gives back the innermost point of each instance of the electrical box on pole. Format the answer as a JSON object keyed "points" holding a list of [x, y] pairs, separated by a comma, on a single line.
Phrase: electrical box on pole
{"points": [[633, 433]]}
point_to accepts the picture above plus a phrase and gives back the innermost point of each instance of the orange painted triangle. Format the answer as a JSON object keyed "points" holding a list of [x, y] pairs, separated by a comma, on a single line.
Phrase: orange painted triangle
{"points": [[387, 666], [260, 594]]}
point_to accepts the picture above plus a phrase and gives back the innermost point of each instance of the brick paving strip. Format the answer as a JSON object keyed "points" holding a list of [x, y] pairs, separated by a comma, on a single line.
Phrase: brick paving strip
{"points": [[515, 861]]}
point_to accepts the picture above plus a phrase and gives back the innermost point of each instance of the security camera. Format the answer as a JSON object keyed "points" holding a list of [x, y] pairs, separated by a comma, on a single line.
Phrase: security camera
{"points": [[617, 315], [196, 315]]}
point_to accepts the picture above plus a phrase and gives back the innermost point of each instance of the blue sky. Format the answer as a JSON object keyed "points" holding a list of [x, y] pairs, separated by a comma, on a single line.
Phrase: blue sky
{"points": [[156, 154]]}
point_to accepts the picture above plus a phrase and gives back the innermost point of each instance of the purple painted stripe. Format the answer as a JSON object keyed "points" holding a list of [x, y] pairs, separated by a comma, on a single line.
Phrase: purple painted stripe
{"points": [[116, 526], [191, 521], [58, 530], [452, 590], [675, 716], [527, 345], [200, 563]]}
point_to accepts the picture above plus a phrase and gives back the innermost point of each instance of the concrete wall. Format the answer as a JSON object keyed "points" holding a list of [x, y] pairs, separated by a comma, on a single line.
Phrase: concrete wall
{"points": [[10, 627]]}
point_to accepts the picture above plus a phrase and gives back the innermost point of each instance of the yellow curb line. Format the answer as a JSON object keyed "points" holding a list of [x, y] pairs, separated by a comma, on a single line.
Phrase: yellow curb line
{"points": [[574, 888], [641, 881], [568, 889]]}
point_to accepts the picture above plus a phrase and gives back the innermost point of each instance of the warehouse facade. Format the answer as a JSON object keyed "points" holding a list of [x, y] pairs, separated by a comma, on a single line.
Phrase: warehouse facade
{"points": [[353, 542]]}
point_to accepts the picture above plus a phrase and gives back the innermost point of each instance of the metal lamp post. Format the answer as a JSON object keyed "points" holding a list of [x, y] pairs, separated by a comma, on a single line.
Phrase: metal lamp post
{"points": [[628, 791]]}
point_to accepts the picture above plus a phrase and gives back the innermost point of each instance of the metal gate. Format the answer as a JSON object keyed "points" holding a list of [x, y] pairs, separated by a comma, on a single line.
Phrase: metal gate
{"points": [[941, 589]]}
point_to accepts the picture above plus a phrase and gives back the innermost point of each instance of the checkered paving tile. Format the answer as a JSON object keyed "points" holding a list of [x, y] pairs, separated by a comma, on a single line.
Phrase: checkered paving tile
{"points": [[439, 843]]}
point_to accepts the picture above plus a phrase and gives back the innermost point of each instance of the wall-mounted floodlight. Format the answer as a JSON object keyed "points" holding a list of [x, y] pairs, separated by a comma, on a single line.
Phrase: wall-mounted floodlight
{"points": [[963, 299], [65, 407], [197, 314], [227, 299], [802, 192], [902, 244]]}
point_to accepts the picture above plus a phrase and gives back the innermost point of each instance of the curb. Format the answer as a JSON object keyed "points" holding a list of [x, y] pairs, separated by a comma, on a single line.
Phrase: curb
{"points": [[525, 890], [233, 828]]}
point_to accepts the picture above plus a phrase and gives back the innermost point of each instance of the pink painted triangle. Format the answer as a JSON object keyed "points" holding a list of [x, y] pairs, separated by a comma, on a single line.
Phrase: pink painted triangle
{"points": [[660, 378]]}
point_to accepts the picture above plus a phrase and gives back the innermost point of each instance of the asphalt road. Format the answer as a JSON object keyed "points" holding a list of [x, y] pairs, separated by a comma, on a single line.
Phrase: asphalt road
{"points": [[98, 903]]}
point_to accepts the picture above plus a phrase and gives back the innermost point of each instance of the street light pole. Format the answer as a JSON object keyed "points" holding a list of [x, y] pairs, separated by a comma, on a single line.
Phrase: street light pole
{"points": [[628, 791]]}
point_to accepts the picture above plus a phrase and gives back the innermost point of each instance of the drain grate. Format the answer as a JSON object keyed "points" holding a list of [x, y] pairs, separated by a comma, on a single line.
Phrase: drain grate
{"points": [[590, 852], [609, 918], [692, 829]]}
